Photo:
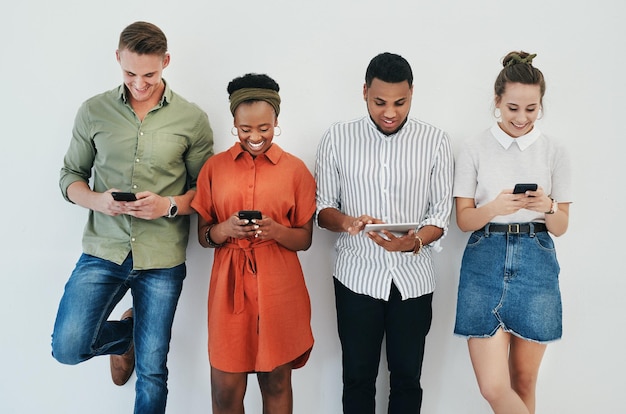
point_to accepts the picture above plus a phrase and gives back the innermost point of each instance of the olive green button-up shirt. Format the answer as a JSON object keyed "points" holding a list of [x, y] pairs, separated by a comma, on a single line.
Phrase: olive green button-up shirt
{"points": [[112, 148]]}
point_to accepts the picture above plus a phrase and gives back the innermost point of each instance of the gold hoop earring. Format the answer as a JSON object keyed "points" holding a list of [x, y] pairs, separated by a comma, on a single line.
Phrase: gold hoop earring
{"points": [[280, 131], [234, 131], [540, 115]]}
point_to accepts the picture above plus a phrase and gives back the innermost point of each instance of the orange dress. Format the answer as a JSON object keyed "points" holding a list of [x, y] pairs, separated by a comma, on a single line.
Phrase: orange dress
{"points": [[259, 309]]}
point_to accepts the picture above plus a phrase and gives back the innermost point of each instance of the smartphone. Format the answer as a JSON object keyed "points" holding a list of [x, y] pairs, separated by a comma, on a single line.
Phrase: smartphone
{"points": [[122, 196], [249, 215], [522, 188]]}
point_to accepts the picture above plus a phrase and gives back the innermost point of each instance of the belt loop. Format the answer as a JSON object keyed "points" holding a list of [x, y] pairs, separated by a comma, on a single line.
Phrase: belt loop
{"points": [[487, 229], [531, 229]]}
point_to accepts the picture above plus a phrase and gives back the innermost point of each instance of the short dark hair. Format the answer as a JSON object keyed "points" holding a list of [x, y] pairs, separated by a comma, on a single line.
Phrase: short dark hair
{"points": [[252, 80], [389, 67], [143, 38], [518, 68]]}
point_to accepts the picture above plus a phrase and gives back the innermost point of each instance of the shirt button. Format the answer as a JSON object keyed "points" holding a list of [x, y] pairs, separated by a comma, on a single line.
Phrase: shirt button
{"points": [[141, 133], [132, 239], [137, 160], [135, 186]]}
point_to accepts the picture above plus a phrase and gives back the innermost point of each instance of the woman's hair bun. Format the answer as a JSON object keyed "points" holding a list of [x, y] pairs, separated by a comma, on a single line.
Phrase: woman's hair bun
{"points": [[515, 58]]}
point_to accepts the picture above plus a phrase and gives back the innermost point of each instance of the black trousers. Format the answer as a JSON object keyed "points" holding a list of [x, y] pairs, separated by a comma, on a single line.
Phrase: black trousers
{"points": [[362, 323]]}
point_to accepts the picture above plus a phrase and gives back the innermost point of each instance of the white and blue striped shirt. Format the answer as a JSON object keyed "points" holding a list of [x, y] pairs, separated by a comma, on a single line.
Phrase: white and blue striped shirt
{"points": [[400, 178]]}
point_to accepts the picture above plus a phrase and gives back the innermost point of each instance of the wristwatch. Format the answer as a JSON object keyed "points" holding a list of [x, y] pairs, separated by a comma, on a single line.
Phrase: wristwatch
{"points": [[554, 208], [173, 210]]}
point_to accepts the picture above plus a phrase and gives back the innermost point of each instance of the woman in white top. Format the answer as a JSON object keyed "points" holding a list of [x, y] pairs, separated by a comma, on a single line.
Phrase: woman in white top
{"points": [[509, 303]]}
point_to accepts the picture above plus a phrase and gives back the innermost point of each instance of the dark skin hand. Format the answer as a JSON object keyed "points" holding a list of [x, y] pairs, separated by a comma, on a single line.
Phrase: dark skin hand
{"points": [[406, 242], [334, 220], [293, 238]]}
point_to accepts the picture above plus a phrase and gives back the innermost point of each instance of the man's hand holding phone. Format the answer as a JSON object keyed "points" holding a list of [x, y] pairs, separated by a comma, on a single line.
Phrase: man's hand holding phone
{"points": [[119, 204], [123, 196]]}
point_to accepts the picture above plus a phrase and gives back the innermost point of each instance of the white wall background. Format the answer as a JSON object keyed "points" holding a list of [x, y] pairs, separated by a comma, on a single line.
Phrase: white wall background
{"points": [[57, 54]]}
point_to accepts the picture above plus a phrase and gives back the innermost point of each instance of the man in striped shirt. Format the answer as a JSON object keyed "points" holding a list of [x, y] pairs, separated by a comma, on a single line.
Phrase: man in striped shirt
{"points": [[384, 168]]}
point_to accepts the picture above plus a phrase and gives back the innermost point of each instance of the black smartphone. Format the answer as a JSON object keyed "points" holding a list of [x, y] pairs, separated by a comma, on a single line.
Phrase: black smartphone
{"points": [[522, 188], [249, 215], [122, 196]]}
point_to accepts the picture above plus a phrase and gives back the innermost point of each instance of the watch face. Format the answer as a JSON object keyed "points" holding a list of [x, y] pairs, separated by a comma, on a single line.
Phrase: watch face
{"points": [[173, 208]]}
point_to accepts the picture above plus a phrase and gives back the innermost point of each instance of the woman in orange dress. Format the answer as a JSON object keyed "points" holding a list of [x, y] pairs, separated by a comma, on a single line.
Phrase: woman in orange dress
{"points": [[259, 308]]}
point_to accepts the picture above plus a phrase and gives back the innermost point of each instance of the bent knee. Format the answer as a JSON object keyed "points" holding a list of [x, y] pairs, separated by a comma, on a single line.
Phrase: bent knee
{"points": [[524, 384], [69, 351], [65, 358], [275, 383], [274, 388], [493, 391], [227, 397]]}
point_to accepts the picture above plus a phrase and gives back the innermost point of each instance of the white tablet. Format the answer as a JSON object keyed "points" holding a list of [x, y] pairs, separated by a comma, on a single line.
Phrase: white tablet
{"points": [[397, 228]]}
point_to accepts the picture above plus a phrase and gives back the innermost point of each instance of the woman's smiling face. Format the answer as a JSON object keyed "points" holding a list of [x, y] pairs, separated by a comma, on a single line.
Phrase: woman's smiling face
{"points": [[255, 122], [519, 107]]}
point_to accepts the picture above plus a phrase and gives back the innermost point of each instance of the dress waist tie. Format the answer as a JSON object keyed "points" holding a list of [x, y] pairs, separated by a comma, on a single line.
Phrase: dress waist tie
{"points": [[246, 260]]}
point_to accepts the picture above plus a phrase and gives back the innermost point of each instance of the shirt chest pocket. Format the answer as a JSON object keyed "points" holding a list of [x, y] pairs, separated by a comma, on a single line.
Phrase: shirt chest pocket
{"points": [[165, 151]]}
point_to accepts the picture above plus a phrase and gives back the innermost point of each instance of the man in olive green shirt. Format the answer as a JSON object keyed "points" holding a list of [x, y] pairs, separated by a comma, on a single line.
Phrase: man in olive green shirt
{"points": [[144, 139]]}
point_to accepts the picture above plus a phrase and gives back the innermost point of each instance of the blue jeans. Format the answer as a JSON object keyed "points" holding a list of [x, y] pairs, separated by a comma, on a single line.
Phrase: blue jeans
{"points": [[362, 323], [81, 330]]}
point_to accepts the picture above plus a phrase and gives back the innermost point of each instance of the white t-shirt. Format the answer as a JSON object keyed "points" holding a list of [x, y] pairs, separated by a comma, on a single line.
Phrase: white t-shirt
{"points": [[493, 161]]}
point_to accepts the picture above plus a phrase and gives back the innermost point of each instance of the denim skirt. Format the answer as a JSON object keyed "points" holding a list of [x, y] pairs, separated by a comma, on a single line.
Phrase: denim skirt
{"points": [[509, 281]]}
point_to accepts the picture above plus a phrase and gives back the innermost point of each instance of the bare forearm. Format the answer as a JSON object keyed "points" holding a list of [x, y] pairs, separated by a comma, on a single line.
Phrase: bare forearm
{"points": [[334, 220], [292, 238], [149, 205], [296, 239], [80, 193], [206, 233], [558, 222], [183, 202], [430, 234], [474, 218]]}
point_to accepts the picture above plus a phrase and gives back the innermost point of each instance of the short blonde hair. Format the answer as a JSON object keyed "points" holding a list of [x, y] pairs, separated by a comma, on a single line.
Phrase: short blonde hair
{"points": [[143, 38]]}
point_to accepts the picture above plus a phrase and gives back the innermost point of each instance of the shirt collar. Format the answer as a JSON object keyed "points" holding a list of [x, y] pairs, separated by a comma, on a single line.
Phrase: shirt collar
{"points": [[523, 142], [373, 125], [167, 93], [273, 154]]}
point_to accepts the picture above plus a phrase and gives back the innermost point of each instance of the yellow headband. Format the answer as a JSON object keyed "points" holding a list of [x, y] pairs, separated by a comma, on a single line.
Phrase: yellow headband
{"points": [[255, 94]]}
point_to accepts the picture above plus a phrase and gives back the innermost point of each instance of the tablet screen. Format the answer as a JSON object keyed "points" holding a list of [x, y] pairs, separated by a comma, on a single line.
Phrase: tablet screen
{"points": [[400, 228]]}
